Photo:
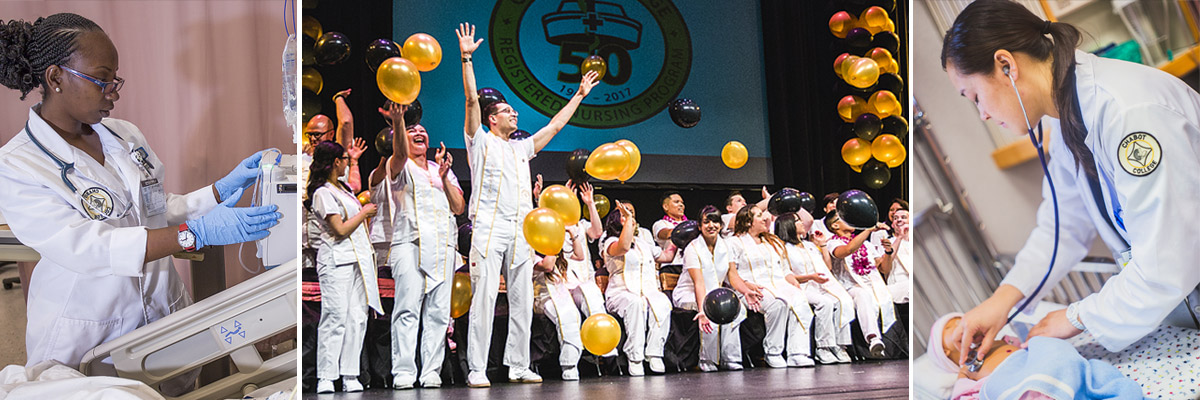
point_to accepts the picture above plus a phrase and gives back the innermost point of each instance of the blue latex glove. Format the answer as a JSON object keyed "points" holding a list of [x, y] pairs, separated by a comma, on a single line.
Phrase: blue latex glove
{"points": [[242, 176], [227, 224]]}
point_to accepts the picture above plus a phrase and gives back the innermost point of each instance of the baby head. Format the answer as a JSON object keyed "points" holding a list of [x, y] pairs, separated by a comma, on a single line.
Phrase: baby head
{"points": [[944, 345]]}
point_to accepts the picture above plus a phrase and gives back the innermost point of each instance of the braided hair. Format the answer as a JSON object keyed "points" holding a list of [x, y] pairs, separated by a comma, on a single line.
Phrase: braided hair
{"points": [[26, 50]]}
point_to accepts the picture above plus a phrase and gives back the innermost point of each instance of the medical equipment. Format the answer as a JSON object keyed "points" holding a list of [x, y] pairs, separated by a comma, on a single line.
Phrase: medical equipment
{"points": [[974, 363], [229, 323], [277, 185], [1037, 143], [94, 198]]}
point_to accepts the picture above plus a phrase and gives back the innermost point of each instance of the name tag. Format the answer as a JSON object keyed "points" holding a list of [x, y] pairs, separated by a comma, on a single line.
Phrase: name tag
{"points": [[1126, 257], [154, 200]]}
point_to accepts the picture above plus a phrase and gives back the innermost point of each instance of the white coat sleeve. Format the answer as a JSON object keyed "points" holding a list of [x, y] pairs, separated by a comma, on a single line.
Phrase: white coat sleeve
{"points": [[1160, 214], [42, 220], [691, 258], [1076, 229], [181, 208]]}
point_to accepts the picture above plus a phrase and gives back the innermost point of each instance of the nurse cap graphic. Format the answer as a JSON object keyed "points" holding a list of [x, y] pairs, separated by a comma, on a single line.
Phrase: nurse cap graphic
{"points": [[1139, 153], [645, 45], [97, 202]]}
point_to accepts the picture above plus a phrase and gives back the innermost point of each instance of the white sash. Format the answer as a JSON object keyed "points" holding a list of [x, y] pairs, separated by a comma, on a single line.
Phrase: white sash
{"points": [[833, 287], [366, 265]]}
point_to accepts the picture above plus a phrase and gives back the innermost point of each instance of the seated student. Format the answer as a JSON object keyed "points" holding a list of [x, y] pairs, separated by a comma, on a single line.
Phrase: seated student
{"points": [[733, 203], [878, 236], [584, 290], [672, 205], [630, 256], [833, 306], [759, 258], [855, 266], [828, 208], [706, 265], [552, 295], [899, 274]]}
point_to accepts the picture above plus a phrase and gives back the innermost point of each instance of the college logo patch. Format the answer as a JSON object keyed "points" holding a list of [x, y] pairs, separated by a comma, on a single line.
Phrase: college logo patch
{"points": [[97, 203], [1139, 153]]}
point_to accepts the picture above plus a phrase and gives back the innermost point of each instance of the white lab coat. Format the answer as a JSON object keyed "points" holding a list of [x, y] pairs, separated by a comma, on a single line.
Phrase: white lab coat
{"points": [[724, 344], [633, 294], [1158, 210], [93, 283], [785, 307]]}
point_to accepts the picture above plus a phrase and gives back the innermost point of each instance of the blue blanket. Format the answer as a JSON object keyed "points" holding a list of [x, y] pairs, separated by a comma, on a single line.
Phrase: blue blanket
{"points": [[1054, 368]]}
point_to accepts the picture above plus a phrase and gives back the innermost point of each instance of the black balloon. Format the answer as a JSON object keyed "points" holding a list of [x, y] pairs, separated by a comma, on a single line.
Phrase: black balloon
{"points": [[896, 125], [519, 134], [332, 48], [786, 200], [464, 239], [891, 82], [487, 96], [887, 40], [310, 104], [379, 51], [855, 208], [412, 115], [808, 202], [684, 112], [685, 233], [307, 56], [575, 166], [721, 306], [876, 174], [383, 142], [858, 39], [867, 126]]}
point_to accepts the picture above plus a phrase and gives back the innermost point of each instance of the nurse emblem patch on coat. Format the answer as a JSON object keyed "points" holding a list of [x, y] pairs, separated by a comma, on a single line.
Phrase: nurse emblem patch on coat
{"points": [[97, 202], [1139, 153]]}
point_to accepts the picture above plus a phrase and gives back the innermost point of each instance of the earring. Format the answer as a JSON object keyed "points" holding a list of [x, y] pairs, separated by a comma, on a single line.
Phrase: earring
{"points": [[57, 90]]}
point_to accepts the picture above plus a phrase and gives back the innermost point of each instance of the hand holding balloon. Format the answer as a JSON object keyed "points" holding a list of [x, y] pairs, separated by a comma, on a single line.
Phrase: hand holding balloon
{"points": [[589, 81]]}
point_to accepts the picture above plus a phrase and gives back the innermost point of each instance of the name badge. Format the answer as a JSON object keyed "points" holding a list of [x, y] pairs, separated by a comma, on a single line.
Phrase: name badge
{"points": [[1126, 257], [142, 159], [154, 200]]}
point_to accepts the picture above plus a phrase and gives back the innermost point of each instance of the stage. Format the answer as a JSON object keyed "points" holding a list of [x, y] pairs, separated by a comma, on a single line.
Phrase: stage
{"points": [[866, 380]]}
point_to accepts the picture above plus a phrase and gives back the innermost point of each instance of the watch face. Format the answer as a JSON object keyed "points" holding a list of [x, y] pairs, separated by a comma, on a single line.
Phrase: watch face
{"points": [[187, 239]]}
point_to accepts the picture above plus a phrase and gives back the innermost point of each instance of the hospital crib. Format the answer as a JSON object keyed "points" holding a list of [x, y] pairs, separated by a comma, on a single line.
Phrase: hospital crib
{"points": [[229, 323], [956, 266]]}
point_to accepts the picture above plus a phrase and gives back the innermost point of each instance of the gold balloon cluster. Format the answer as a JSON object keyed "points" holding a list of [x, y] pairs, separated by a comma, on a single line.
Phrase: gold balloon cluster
{"points": [[886, 148], [399, 78], [874, 20], [618, 160], [862, 72]]}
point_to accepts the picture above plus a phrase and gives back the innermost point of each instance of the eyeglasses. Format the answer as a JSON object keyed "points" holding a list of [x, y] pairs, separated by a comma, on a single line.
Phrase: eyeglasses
{"points": [[105, 87]]}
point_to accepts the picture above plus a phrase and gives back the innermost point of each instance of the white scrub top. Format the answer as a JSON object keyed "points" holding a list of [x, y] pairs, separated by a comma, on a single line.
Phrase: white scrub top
{"points": [[353, 249], [661, 224], [713, 265], [635, 270], [423, 216], [93, 283], [1144, 130], [501, 193]]}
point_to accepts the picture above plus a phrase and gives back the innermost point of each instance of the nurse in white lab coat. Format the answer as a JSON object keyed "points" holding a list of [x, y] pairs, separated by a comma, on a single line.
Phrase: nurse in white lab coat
{"points": [[425, 197], [1124, 155], [86, 192], [500, 199], [345, 267]]}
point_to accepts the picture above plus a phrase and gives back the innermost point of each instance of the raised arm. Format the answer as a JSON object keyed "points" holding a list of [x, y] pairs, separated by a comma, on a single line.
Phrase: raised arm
{"points": [[857, 241], [354, 179], [345, 128], [467, 45], [586, 192], [543, 136], [454, 194], [578, 249], [625, 241], [395, 112]]}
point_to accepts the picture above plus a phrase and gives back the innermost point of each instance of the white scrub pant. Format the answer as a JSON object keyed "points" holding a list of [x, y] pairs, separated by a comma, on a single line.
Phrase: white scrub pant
{"points": [[646, 331], [567, 321], [590, 301], [724, 344], [343, 325], [408, 315], [515, 263], [867, 311], [799, 318], [825, 326]]}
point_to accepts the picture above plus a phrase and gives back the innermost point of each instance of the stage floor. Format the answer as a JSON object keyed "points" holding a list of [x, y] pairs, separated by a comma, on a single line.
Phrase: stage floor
{"points": [[867, 380]]}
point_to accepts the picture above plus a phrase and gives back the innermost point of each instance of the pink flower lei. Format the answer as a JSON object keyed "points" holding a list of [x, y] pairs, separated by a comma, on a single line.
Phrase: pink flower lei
{"points": [[859, 260]]}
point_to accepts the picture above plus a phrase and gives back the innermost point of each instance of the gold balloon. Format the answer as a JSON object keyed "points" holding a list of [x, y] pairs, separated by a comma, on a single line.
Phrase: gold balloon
{"points": [[304, 140], [886, 147], [889, 26], [880, 55], [423, 50], [850, 107], [734, 154], [561, 200], [846, 66], [635, 159], [399, 80], [460, 295], [311, 79], [837, 63], [594, 63], [311, 27], [607, 162], [874, 19], [364, 198], [602, 204], [862, 73], [895, 162], [544, 231], [857, 168], [883, 104], [841, 23], [856, 151], [600, 334]]}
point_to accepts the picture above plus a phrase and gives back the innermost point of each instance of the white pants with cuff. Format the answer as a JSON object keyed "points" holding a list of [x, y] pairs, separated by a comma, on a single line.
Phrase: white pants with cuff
{"points": [[417, 307], [343, 325]]}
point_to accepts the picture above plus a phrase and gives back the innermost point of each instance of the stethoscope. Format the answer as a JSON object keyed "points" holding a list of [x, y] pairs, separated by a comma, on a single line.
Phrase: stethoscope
{"points": [[65, 167]]}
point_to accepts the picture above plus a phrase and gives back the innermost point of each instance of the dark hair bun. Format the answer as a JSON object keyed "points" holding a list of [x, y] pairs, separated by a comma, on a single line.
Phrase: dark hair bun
{"points": [[15, 71]]}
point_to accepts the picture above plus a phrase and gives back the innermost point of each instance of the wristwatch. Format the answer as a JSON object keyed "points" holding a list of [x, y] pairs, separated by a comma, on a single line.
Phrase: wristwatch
{"points": [[187, 239], [1073, 317]]}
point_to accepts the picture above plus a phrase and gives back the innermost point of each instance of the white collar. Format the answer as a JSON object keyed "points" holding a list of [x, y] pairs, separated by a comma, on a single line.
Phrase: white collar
{"points": [[53, 142]]}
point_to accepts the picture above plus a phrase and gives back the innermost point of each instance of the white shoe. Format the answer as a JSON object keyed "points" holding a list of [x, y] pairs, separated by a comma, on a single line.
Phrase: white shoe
{"points": [[401, 382], [478, 379], [635, 368], [325, 386], [523, 375], [800, 361], [351, 384], [433, 381], [732, 366], [826, 355], [776, 361], [708, 366], [656, 365], [842, 356], [570, 373], [877, 349]]}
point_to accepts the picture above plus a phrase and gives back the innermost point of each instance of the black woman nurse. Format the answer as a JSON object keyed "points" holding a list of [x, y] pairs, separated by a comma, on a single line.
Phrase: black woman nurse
{"points": [[1123, 165]]}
